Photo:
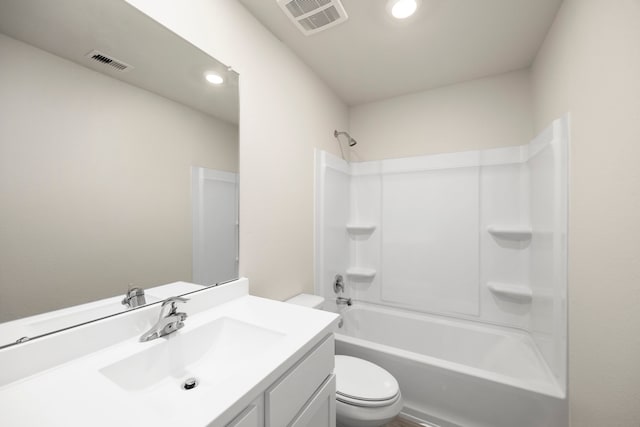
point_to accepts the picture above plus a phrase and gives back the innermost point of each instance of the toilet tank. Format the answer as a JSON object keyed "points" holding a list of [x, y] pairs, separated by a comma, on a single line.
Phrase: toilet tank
{"points": [[307, 300]]}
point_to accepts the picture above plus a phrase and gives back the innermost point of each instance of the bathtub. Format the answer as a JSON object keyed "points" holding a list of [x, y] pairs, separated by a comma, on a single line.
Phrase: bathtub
{"points": [[455, 373]]}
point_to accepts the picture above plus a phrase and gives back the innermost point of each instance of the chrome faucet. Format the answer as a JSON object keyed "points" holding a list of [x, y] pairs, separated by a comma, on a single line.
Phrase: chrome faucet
{"points": [[134, 297], [343, 301], [167, 323]]}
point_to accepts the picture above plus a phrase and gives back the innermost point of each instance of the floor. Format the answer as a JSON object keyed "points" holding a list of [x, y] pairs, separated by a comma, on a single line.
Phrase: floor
{"points": [[400, 422]]}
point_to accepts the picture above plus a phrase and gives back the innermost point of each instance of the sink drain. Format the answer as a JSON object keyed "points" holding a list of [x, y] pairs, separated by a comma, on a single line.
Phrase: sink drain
{"points": [[190, 383]]}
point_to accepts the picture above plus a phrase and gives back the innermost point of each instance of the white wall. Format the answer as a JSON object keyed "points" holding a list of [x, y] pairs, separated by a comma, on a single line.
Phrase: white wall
{"points": [[285, 112], [485, 113], [590, 65], [94, 182]]}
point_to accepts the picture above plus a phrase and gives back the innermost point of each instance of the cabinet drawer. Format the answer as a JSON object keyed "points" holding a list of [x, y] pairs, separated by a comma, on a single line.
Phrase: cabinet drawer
{"points": [[285, 399]]}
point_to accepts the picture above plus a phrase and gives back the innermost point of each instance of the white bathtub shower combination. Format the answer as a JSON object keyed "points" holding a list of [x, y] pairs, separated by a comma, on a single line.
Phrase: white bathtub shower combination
{"points": [[456, 264], [454, 372]]}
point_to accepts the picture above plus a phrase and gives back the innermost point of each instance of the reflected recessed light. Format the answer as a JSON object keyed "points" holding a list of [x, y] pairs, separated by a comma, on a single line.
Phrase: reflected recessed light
{"points": [[214, 78], [401, 9]]}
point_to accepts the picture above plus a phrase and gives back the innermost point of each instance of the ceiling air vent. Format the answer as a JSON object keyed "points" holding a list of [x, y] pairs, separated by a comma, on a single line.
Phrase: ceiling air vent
{"points": [[312, 16], [109, 61]]}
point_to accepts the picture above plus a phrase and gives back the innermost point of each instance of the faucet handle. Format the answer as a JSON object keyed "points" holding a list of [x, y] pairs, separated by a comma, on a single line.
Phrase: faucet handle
{"points": [[173, 301]]}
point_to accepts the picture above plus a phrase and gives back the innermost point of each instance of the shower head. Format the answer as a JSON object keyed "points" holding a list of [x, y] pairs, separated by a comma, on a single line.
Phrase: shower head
{"points": [[351, 141]]}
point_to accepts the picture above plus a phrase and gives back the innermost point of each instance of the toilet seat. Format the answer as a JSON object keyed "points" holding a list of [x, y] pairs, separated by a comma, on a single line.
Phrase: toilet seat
{"points": [[366, 403], [362, 383]]}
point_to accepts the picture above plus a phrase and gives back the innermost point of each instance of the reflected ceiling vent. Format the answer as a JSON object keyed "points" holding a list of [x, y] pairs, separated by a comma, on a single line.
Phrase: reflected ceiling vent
{"points": [[109, 61], [312, 16]]}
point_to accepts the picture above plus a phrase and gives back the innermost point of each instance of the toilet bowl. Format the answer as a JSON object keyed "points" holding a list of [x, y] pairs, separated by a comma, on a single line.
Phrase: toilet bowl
{"points": [[366, 394]]}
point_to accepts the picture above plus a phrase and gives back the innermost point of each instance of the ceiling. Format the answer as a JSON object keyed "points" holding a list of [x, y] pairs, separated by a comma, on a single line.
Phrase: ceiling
{"points": [[372, 56], [162, 62]]}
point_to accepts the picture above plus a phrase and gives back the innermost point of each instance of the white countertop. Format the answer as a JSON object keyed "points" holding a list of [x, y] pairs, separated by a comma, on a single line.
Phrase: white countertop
{"points": [[77, 393]]}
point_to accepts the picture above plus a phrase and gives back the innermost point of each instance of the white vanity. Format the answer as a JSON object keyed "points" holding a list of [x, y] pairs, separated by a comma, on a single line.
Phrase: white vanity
{"points": [[239, 361]]}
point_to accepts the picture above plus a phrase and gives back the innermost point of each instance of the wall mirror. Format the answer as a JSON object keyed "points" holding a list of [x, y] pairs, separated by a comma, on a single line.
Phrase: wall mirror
{"points": [[118, 164]]}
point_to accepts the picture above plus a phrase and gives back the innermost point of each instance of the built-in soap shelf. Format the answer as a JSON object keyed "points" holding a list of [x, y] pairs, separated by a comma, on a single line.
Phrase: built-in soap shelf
{"points": [[361, 228], [361, 273], [512, 291], [510, 232]]}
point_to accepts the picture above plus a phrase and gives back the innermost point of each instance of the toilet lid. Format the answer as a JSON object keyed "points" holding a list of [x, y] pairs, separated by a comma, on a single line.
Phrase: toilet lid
{"points": [[363, 381]]}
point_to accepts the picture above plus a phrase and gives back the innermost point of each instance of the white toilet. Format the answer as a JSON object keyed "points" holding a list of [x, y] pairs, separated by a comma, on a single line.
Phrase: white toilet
{"points": [[366, 394]]}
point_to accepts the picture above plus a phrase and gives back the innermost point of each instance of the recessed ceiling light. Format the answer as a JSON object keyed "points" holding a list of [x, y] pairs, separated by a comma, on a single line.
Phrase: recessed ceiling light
{"points": [[402, 9], [214, 78]]}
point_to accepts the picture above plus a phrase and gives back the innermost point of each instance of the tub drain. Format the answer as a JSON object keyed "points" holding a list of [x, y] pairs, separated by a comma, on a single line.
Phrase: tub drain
{"points": [[190, 383]]}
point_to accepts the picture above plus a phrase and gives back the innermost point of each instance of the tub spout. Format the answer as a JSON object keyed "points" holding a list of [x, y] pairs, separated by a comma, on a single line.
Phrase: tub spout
{"points": [[343, 301]]}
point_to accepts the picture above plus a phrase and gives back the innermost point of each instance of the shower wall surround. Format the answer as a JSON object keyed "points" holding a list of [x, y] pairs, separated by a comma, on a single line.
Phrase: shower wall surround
{"points": [[477, 235]]}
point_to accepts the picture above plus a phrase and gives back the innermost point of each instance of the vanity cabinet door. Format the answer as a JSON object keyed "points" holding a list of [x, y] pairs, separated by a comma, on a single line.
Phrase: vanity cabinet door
{"points": [[320, 411], [252, 416], [292, 391]]}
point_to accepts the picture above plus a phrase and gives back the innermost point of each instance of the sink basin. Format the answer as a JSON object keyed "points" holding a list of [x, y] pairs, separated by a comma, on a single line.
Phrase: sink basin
{"points": [[211, 353]]}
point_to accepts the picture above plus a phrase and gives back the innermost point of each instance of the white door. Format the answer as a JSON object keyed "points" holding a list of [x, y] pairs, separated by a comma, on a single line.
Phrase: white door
{"points": [[215, 225]]}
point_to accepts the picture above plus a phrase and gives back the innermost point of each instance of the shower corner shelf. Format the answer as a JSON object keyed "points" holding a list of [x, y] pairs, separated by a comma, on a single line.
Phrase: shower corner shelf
{"points": [[519, 293], [361, 228], [360, 273], [512, 233]]}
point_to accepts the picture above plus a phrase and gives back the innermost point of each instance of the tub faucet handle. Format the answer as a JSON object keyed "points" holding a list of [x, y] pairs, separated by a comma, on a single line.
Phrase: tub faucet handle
{"points": [[338, 284]]}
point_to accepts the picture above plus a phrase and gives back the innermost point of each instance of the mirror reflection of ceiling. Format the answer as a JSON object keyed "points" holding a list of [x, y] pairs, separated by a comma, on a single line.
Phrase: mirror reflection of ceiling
{"points": [[372, 56], [71, 29]]}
